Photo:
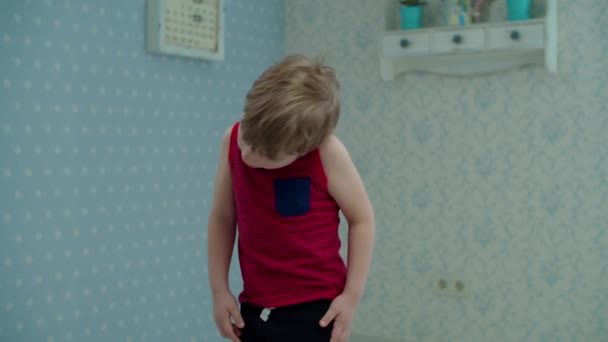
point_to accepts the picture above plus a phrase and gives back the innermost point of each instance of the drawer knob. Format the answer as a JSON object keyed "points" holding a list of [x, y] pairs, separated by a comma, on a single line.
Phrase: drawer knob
{"points": [[404, 43], [457, 39], [515, 35]]}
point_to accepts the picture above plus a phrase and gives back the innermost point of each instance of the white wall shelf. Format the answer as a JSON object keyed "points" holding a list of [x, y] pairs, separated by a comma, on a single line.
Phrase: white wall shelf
{"points": [[472, 50]]}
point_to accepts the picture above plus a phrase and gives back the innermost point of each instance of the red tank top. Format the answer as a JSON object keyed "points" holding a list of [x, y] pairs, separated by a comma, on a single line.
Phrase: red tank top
{"points": [[288, 240]]}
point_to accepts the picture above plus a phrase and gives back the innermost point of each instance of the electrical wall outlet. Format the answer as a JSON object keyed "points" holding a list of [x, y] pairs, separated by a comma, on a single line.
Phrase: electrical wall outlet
{"points": [[453, 285]]}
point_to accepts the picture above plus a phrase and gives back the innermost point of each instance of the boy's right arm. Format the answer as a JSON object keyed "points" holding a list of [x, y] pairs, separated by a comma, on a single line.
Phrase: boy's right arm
{"points": [[221, 233], [222, 223]]}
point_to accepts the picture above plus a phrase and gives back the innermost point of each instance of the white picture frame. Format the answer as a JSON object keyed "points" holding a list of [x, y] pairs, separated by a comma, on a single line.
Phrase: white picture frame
{"points": [[186, 28]]}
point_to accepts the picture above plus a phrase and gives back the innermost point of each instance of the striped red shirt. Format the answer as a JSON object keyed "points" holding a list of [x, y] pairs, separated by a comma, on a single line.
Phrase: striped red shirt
{"points": [[288, 241]]}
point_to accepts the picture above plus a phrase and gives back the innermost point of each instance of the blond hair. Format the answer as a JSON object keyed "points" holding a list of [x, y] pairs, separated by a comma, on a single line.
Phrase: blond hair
{"points": [[291, 108]]}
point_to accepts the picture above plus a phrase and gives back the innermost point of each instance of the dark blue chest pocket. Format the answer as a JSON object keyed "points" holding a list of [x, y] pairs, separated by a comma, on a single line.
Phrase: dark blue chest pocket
{"points": [[292, 196]]}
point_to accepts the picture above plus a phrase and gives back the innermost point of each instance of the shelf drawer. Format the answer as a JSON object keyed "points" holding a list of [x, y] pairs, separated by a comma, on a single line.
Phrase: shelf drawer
{"points": [[452, 41], [407, 44], [525, 37]]}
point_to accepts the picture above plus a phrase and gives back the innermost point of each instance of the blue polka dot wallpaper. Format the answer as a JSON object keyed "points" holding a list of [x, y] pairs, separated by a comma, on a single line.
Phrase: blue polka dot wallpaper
{"points": [[107, 159]]}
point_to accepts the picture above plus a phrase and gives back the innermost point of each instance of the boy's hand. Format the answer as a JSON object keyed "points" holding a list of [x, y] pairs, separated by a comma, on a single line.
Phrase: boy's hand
{"points": [[227, 316], [341, 312]]}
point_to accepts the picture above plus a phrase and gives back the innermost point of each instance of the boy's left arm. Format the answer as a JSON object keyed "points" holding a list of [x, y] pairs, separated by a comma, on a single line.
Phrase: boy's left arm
{"points": [[346, 187]]}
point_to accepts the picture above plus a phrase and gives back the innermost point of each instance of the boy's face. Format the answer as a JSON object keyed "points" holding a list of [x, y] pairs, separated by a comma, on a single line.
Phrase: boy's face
{"points": [[257, 161]]}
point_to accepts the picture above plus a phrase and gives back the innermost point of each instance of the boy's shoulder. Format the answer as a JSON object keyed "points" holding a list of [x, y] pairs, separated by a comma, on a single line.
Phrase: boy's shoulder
{"points": [[227, 136], [333, 146], [228, 132], [333, 153]]}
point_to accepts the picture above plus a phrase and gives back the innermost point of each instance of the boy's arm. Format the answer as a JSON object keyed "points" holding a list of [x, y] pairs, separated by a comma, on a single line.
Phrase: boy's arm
{"points": [[346, 187], [221, 230]]}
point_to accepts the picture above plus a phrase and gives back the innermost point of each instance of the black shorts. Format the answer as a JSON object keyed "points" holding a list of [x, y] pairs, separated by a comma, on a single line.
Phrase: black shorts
{"points": [[293, 323]]}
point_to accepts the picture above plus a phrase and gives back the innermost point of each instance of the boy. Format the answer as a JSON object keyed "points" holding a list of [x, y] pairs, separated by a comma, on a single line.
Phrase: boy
{"points": [[282, 179]]}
